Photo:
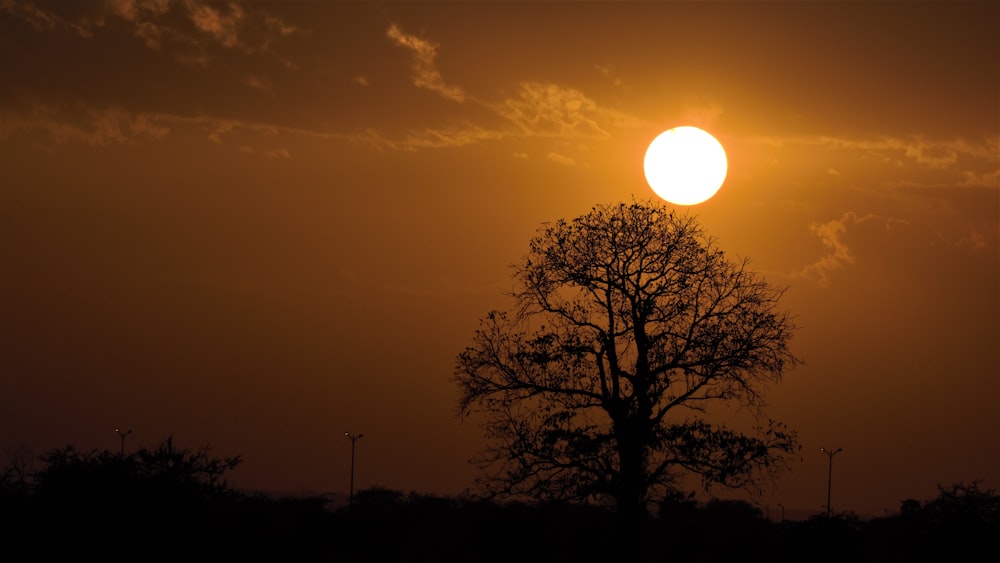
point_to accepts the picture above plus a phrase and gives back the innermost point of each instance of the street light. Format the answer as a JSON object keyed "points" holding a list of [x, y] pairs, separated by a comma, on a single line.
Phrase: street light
{"points": [[354, 440], [829, 477], [122, 436]]}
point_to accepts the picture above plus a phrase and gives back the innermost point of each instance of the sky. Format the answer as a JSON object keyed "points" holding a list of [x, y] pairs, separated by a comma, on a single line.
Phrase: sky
{"points": [[255, 226]]}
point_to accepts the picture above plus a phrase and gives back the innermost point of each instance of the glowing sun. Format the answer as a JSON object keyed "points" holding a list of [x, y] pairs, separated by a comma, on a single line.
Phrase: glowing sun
{"points": [[685, 165]]}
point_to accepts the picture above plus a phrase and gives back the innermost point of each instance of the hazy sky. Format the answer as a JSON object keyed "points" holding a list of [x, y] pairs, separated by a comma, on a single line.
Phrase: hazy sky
{"points": [[259, 225]]}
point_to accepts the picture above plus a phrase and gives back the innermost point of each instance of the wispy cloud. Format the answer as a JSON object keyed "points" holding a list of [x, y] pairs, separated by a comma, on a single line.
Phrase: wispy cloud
{"points": [[550, 110], [853, 238], [142, 17], [220, 129], [918, 161], [222, 25], [50, 126], [259, 83], [560, 159], [608, 72], [425, 72], [188, 28], [429, 138], [41, 19], [833, 235], [537, 110], [269, 153], [192, 27], [97, 128], [930, 153], [985, 179]]}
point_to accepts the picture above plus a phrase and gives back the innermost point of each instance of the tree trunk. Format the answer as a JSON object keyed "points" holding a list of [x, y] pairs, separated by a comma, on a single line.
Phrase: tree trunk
{"points": [[630, 495]]}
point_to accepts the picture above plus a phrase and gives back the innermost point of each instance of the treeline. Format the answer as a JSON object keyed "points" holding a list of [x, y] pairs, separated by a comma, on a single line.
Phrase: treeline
{"points": [[170, 503]]}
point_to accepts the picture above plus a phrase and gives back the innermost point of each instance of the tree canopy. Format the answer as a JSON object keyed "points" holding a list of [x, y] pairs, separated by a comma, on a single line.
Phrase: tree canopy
{"points": [[628, 323]]}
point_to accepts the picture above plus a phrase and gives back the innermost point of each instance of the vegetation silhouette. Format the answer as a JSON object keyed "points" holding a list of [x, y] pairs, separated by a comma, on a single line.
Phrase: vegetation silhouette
{"points": [[629, 323], [624, 317], [169, 503]]}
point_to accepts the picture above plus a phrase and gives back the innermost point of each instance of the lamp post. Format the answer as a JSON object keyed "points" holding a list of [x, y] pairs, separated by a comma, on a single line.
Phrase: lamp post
{"points": [[354, 440], [829, 477], [122, 436]]}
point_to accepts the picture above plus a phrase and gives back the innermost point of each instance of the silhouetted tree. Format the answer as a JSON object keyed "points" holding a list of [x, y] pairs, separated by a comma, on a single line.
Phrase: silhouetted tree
{"points": [[628, 323], [960, 523], [677, 507], [167, 495], [965, 504], [164, 474], [16, 476]]}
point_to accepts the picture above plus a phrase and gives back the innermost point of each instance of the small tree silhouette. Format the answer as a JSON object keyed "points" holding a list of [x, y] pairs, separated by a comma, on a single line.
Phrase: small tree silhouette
{"points": [[163, 495]]}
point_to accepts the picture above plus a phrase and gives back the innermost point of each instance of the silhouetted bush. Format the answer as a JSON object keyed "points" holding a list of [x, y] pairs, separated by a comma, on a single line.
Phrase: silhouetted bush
{"points": [[962, 522]]}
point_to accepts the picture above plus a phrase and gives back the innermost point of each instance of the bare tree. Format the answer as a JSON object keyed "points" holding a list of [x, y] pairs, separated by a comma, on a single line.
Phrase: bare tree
{"points": [[629, 322]]}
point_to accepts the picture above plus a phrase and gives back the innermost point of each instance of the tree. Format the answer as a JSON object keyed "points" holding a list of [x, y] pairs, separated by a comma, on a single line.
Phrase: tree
{"points": [[628, 323], [168, 497], [165, 475], [965, 504]]}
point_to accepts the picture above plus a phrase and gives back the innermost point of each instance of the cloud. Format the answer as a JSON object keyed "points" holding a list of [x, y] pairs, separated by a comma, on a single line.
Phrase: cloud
{"points": [[97, 128], [269, 153], [259, 83], [186, 29], [938, 153], [975, 240], [973, 164], [222, 129], [430, 138], [222, 25], [608, 72], [41, 19], [953, 162], [540, 110], [438, 138], [50, 126], [141, 16], [190, 27], [425, 73], [277, 153], [833, 235], [838, 257], [977, 180], [550, 110], [560, 159]]}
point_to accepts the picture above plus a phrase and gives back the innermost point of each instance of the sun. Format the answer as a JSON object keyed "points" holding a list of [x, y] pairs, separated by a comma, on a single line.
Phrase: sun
{"points": [[685, 165]]}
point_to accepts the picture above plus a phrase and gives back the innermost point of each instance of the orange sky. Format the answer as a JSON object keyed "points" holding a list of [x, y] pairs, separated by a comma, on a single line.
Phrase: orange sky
{"points": [[259, 225]]}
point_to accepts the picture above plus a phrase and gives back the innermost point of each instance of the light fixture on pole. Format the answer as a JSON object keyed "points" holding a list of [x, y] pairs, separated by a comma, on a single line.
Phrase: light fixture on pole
{"points": [[829, 476], [122, 436], [354, 440]]}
